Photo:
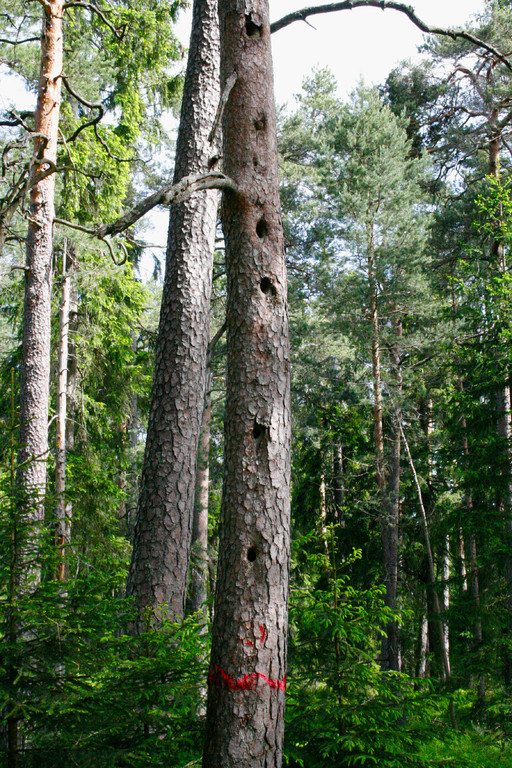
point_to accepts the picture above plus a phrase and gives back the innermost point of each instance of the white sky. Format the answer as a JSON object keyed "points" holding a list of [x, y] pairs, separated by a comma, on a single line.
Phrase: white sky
{"points": [[364, 43]]}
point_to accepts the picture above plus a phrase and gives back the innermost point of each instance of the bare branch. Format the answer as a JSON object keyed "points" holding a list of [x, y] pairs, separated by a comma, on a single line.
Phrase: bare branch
{"points": [[171, 194], [348, 5], [222, 104], [5, 41], [85, 103], [174, 193], [214, 341]]}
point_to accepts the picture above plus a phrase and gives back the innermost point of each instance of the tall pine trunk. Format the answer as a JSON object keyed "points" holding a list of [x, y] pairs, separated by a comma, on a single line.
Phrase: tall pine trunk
{"points": [[35, 362], [161, 549], [388, 498], [247, 678]]}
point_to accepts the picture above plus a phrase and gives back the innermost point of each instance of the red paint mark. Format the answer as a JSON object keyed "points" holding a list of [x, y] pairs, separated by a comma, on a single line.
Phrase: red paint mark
{"points": [[263, 633], [221, 679], [249, 642]]}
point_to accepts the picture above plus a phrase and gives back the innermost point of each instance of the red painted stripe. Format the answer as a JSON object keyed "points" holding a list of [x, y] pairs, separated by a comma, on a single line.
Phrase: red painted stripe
{"points": [[221, 679]]}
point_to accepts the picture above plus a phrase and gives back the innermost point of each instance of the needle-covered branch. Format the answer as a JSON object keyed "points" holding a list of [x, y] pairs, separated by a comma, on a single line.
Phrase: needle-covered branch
{"points": [[118, 32], [348, 5]]}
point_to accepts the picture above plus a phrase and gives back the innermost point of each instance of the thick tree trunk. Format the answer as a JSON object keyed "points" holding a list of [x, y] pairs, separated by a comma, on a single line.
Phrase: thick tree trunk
{"points": [[35, 362], [247, 677], [199, 549], [161, 550], [62, 523]]}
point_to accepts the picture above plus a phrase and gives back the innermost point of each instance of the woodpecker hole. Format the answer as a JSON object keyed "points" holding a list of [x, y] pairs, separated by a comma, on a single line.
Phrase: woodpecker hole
{"points": [[255, 161], [261, 228], [251, 554], [252, 29], [213, 161], [267, 286], [261, 122], [258, 430]]}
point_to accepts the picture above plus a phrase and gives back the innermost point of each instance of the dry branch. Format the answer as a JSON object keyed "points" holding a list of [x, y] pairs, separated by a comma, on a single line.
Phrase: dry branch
{"points": [[168, 195], [348, 5]]}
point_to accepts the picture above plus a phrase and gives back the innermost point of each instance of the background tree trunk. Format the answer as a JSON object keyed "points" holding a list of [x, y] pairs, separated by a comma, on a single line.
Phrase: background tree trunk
{"points": [[62, 526], [199, 550], [161, 549], [247, 678]]}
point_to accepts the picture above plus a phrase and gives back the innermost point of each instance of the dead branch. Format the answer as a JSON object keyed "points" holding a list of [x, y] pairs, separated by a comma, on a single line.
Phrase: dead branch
{"points": [[171, 194], [348, 5]]}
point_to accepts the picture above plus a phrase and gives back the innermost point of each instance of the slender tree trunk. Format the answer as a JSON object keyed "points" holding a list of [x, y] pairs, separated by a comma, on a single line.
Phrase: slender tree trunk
{"points": [[199, 550], [323, 522], [473, 565], [388, 498], [339, 491], [133, 437], [422, 665], [35, 362], [462, 558], [247, 678], [475, 593], [446, 592], [161, 550], [445, 660], [62, 524]]}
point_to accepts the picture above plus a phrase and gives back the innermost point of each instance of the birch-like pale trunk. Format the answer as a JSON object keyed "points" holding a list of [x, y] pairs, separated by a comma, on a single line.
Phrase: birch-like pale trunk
{"points": [[199, 550], [445, 659], [247, 677]]}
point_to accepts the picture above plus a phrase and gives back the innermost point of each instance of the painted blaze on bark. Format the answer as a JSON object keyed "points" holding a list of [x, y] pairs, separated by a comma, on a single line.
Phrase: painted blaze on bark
{"points": [[248, 664]]}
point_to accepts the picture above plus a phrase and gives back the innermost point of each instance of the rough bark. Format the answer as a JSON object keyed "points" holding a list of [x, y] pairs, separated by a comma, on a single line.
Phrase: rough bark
{"points": [[247, 676], [35, 363], [161, 552]]}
